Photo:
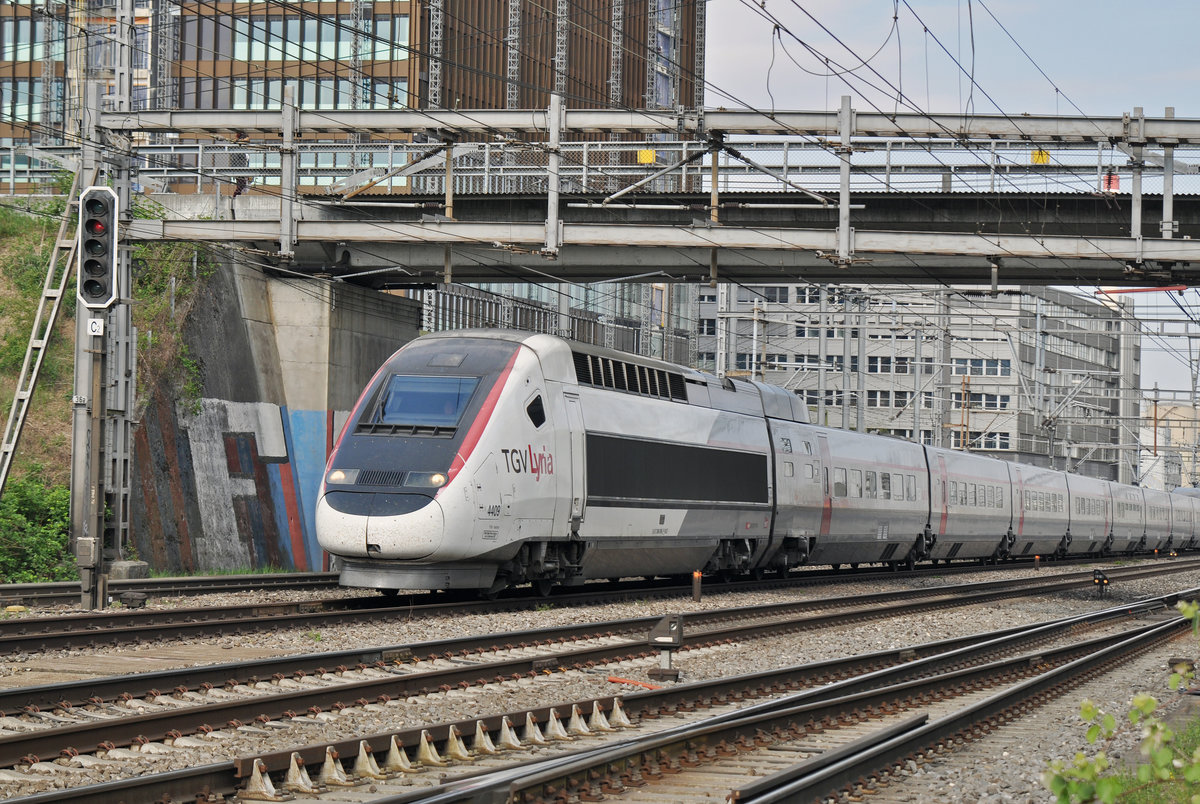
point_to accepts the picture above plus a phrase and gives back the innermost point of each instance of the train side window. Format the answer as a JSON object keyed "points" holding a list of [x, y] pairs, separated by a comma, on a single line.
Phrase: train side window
{"points": [[990, 492], [807, 448], [885, 486], [855, 483], [897, 487], [910, 487], [953, 492], [839, 482], [871, 485], [536, 411], [808, 471], [971, 495], [788, 469], [999, 497]]}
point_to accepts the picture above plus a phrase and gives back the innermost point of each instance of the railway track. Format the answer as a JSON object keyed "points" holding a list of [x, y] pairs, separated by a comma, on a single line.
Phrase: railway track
{"points": [[67, 593], [32, 634], [836, 721]]}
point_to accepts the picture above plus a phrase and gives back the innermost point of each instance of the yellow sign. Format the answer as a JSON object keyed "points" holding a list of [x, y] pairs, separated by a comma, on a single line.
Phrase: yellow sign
{"points": [[1040, 157], [647, 156]]}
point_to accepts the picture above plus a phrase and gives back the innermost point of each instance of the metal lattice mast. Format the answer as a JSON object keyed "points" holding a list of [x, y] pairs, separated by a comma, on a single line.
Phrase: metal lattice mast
{"points": [[698, 75], [673, 65], [512, 41], [561, 22], [52, 119], [358, 79], [651, 52], [437, 33], [615, 62], [166, 40]]}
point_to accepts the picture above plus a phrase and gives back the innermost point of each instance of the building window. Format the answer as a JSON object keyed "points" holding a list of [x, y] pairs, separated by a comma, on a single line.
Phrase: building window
{"points": [[879, 365], [980, 367], [879, 399], [776, 295], [900, 399], [708, 326], [706, 360]]}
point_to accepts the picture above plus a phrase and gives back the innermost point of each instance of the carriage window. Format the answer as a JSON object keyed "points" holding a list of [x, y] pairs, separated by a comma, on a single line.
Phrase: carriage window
{"points": [[536, 412], [424, 401], [808, 471], [788, 469], [885, 486], [910, 486], [871, 485], [971, 495], [855, 483], [807, 448], [990, 493], [839, 482], [953, 492], [897, 487]]}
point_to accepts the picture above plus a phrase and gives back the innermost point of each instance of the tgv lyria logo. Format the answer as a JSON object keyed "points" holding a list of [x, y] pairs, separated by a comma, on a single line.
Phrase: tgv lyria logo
{"points": [[525, 461]]}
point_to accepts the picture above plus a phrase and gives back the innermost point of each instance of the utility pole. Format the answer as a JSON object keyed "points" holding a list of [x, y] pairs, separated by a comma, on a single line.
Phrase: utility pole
{"points": [[106, 342]]}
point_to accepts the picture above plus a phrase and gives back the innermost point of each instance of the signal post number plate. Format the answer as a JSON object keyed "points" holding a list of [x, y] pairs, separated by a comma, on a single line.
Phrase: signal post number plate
{"points": [[95, 326]]}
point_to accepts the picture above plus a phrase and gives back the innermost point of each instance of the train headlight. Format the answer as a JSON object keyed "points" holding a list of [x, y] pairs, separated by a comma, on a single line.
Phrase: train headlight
{"points": [[340, 477], [428, 479]]}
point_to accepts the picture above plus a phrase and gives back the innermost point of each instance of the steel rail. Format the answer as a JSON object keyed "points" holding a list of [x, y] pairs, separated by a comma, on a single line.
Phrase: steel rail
{"points": [[39, 634], [223, 778], [161, 725], [80, 693], [576, 775]]}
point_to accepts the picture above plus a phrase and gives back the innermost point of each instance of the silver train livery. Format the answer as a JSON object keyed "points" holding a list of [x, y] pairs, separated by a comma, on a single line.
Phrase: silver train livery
{"points": [[482, 459]]}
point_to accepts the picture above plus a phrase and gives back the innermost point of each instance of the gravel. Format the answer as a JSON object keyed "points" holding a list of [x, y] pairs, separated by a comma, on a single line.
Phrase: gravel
{"points": [[1002, 767]]}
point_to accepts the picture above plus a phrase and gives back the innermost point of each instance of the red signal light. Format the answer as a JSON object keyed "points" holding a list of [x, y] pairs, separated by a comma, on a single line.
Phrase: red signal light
{"points": [[95, 227]]}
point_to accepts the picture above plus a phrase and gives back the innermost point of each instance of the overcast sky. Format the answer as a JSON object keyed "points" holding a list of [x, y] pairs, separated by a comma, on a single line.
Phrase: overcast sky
{"points": [[1099, 57]]}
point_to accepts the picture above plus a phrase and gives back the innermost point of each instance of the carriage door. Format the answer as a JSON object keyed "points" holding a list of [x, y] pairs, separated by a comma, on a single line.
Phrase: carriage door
{"points": [[578, 470], [823, 474]]}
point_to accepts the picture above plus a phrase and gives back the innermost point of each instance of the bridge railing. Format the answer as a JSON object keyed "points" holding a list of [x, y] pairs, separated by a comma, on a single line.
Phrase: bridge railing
{"points": [[601, 168], [454, 307]]}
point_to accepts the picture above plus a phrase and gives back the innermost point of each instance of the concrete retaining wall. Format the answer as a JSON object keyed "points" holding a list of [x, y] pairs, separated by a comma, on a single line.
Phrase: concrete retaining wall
{"points": [[229, 482]]}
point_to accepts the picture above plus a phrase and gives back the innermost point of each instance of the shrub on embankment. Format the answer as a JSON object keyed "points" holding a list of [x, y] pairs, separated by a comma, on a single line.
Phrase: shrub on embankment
{"points": [[34, 519], [34, 522]]}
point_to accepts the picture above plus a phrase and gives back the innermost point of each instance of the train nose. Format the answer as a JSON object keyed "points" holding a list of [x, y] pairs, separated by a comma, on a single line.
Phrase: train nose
{"points": [[380, 525]]}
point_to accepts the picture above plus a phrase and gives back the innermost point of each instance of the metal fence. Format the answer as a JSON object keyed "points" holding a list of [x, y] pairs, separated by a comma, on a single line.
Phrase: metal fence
{"points": [[458, 307], [591, 168]]}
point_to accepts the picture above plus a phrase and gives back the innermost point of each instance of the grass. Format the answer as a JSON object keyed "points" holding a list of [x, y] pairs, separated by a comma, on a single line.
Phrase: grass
{"points": [[1187, 740], [268, 570]]}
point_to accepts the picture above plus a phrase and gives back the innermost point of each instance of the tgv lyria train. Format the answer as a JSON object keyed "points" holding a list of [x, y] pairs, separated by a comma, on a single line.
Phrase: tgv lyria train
{"points": [[485, 458]]}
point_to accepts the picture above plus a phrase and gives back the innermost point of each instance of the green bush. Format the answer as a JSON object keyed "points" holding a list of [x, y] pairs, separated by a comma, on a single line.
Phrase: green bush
{"points": [[34, 528]]}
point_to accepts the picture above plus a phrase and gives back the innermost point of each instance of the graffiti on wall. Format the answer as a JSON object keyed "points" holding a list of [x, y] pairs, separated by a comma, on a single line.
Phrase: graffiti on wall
{"points": [[243, 474]]}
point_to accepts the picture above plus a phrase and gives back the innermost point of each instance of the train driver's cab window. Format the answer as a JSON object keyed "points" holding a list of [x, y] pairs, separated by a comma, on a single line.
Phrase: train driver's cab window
{"points": [[839, 482], [424, 401], [536, 411]]}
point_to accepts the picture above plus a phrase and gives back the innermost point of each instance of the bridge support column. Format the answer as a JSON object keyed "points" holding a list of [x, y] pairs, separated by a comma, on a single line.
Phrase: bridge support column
{"points": [[845, 233]]}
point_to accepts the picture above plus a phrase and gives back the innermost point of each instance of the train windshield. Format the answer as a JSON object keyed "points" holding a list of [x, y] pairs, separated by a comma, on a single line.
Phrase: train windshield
{"points": [[424, 401]]}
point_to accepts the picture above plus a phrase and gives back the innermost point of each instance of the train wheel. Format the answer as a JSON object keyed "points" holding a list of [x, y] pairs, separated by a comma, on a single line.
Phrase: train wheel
{"points": [[853, 565], [542, 587], [836, 567]]}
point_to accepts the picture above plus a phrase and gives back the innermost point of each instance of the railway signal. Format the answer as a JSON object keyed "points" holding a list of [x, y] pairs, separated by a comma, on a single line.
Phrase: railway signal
{"points": [[96, 284]]}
